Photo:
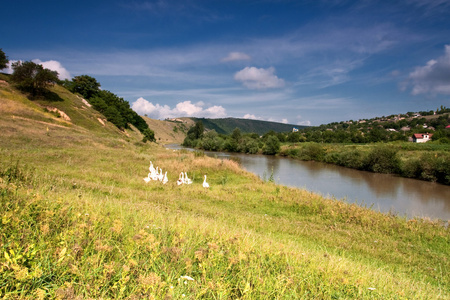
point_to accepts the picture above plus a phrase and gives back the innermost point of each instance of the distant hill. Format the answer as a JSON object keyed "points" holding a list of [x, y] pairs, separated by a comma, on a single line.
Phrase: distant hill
{"points": [[227, 125]]}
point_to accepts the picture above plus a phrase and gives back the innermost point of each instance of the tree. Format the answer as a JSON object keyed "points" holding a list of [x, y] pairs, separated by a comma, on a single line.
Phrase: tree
{"points": [[236, 135], [196, 132], [3, 60], [272, 145], [113, 115], [149, 135], [32, 77], [85, 85], [211, 141]]}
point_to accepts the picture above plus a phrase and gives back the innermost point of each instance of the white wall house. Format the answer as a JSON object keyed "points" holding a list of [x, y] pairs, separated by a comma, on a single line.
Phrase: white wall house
{"points": [[421, 137]]}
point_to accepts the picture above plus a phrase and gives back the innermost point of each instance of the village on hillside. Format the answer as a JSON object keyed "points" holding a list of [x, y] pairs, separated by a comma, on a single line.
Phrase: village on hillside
{"points": [[417, 127]]}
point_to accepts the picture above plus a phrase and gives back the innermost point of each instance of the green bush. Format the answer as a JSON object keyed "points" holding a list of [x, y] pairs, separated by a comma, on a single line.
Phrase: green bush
{"points": [[272, 145], [250, 146], [312, 151], [351, 159], [382, 159], [411, 168]]}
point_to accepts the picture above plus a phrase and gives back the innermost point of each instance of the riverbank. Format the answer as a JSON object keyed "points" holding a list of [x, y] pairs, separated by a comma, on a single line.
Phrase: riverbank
{"points": [[425, 161], [419, 161]]}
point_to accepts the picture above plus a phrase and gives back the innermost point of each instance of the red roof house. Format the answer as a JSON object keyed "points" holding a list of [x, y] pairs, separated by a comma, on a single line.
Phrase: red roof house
{"points": [[421, 137]]}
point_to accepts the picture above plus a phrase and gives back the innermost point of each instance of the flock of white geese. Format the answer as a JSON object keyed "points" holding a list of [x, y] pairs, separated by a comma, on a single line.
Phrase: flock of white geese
{"points": [[156, 174]]}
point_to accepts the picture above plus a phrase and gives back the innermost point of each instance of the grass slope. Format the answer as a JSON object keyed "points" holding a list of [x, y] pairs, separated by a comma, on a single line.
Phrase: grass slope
{"points": [[167, 132], [79, 222]]}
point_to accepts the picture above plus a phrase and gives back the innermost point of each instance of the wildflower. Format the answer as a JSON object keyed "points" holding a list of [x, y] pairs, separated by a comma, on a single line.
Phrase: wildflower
{"points": [[187, 278]]}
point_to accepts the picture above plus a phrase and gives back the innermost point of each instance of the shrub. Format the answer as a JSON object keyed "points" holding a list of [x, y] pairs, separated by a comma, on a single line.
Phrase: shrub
{"points": [[250, 146], [312, 151], [272, 145], [351, 159], [411, 168], [382, 159]]}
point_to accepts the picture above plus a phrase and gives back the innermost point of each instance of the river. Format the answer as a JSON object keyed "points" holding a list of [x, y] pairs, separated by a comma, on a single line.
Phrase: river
{"points": [[383, 192]]}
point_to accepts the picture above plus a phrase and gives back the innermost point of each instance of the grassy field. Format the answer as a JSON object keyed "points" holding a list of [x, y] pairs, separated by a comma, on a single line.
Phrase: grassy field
{"points": [[79, 222]]}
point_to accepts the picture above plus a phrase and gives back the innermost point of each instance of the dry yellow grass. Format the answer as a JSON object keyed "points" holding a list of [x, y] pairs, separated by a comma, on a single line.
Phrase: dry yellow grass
{"points": [[164, 130]]}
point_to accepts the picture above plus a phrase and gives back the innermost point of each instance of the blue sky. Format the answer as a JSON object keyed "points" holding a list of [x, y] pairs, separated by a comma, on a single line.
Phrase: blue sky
{"points": [[298, 62]]}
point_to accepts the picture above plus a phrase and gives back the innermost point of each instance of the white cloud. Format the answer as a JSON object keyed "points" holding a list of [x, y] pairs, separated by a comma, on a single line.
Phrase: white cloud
{"points": [[252, 117], [434, 77], [304, 123], [233, 56], [54, 66], [255, 78], [8, 69], [182, 109]]}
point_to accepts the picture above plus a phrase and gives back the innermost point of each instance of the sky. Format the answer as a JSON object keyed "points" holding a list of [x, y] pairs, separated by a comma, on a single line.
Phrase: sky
{"points": [[297, 62]]}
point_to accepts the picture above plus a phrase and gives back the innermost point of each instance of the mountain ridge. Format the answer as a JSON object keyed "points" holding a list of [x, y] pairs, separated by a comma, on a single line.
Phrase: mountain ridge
{"points": [[227, 125]]}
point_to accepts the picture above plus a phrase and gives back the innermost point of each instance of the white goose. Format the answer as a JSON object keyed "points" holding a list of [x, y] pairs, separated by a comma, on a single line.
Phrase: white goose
{"points": [[180, 180], [147, 179], [165, 179], [205, 184], [160, 175], [151, 168], [154, 174], [187, 180]]}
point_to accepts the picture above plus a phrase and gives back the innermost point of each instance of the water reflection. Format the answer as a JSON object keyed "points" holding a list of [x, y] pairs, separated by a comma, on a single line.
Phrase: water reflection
{"points": [[406, 197]]}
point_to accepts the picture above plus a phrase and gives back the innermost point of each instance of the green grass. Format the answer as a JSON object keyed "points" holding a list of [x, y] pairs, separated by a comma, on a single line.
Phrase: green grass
{"points": [[79, 222]]}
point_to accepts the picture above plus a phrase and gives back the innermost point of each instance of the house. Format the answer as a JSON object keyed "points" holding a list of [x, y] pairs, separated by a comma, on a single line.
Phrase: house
{"points": [[405, 128], [294, 129], [421, 137]]}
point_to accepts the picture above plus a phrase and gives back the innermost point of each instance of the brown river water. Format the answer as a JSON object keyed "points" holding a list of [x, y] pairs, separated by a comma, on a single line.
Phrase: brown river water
{"points": [[383, 192]]}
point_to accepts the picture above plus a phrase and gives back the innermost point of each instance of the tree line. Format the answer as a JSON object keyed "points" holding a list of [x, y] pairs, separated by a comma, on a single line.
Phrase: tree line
{"points": [[250, 143], [114, 108]]}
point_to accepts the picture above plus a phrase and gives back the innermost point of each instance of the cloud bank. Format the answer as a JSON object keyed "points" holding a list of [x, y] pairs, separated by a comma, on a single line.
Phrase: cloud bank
{"points": [[254, 78], [434, 77], [253, 117], [182, 109], [234, 56]]}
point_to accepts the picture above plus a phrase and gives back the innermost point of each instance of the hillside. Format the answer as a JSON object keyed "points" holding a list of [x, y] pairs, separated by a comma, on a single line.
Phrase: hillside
{"points": [[64, 110], [227, 125], [167, 132], [79, 222]]}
